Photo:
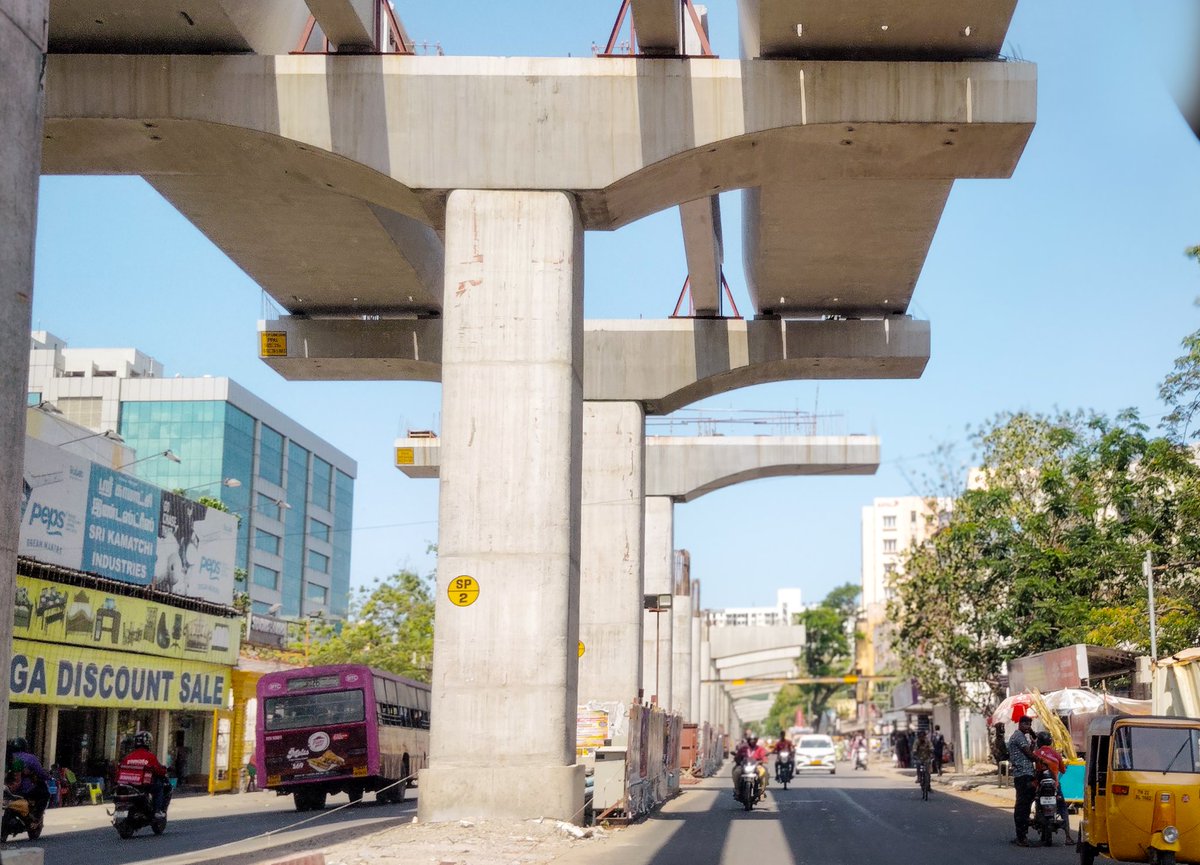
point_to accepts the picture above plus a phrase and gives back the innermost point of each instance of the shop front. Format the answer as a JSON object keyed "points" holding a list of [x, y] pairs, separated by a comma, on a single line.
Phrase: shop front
{"points": [[95, 661]]}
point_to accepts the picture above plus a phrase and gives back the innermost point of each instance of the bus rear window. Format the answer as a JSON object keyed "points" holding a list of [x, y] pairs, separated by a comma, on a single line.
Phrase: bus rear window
{"points": [[313, 710]]}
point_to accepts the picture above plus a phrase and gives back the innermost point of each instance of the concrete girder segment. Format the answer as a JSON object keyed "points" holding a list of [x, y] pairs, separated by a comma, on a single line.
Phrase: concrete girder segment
{"points": [[348, 24], [683, 468], [687, 467], [704, 249], [788, 654], [874, 29], [197, 27], [626, 137], [657, 25], [664, 365]]}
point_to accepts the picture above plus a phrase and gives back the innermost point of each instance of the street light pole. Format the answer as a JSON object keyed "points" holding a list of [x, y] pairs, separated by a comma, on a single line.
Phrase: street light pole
{"points": [[1148, 572]]}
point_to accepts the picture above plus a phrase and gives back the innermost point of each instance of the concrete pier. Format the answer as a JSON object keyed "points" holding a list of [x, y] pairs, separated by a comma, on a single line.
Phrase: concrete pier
{"points": [[610, 593], [505, 667], [660, 578], [22, 47]]}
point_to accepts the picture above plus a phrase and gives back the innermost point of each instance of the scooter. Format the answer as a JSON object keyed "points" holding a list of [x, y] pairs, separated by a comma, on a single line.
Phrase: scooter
{"points": [[18, 817], [749, 783], [785, 768], [135, 810], [860, 758], [1046, 819]]}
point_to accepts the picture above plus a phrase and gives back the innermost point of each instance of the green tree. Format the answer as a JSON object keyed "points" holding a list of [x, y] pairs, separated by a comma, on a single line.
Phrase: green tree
{"points": [[390, 627], [827, 652]]}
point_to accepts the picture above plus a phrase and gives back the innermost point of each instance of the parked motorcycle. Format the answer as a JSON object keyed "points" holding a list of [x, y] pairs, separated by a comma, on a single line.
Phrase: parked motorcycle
{"points": [[860, 758], [19, 817], [785, 768], [135, 810], [1046, 819], [750, 783]]}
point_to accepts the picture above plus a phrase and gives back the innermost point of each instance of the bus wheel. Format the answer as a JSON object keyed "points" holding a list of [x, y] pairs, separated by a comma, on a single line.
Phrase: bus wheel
{"points": [[355, 794], [317, 802], [301, 800]]}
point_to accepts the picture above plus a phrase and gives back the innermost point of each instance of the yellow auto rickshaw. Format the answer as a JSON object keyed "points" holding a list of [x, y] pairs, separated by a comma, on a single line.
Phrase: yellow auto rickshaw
{"points": [[1141, 797]]}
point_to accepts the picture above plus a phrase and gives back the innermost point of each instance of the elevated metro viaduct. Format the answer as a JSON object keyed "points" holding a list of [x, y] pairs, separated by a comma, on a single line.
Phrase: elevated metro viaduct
{"points": [[334, 184], [629, 651]]}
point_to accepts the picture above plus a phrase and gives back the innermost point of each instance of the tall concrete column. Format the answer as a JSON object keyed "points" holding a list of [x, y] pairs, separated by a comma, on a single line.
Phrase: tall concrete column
{"points": [[707, 715], [22, 49], [681, 657], [694, 667], [505, 667], [610, 590], [660, 579]]}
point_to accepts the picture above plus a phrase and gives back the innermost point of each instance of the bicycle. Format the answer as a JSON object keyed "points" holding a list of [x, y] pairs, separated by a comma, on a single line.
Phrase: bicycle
{"points": [[923, 779]]}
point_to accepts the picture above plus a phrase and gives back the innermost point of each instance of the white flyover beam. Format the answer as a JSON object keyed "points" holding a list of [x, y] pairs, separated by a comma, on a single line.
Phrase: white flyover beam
{"points": [[783, 653], [703, 246], [348, 24]]}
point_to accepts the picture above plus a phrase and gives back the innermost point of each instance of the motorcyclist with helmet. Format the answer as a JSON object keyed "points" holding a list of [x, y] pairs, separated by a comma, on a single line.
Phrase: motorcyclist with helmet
{"points": [[141, 768], [1048, 757], [33, 778], [750, 749]]}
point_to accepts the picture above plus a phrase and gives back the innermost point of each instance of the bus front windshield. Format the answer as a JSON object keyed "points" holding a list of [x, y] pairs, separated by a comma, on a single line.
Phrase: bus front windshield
{"points": [[1157, 749], [296, 711]]}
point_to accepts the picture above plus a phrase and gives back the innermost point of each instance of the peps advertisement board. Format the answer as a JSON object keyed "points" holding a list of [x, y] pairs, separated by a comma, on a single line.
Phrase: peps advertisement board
{"points": [[81, 616], [72, 675], [80, 515]]}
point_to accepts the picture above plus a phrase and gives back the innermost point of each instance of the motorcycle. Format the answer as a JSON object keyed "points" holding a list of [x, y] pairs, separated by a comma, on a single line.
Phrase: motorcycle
{"points": [[1046, 819], [19, 817], [785, 768], [860, 758], [749, 783], [135, 810]]}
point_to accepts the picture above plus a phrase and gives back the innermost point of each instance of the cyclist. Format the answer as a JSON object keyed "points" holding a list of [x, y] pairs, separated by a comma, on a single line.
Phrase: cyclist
{"points": [[922, 755]]}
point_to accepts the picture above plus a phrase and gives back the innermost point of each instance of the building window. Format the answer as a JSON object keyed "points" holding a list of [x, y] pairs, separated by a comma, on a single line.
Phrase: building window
{"points": [[266, 542], [889, 569], [268, 506], [889, 522], [912, 517], [889, 545], [270, 456], [322, 478], [260, 608], [318, 562], [318, 530], [266, 577], [317, 593]]}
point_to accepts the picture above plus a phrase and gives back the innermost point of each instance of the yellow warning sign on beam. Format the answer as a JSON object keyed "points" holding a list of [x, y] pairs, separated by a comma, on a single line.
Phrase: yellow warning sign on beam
{"points": [[463, 591], [406, 456], [272, 343]]}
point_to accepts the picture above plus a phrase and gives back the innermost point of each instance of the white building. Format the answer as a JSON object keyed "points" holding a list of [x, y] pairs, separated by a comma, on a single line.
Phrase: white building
{"points": [[293, 490], [787, 604]]}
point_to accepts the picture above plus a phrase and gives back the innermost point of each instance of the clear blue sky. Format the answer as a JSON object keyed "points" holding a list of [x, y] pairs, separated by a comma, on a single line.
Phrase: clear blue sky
{"points": [[1065, 286]]}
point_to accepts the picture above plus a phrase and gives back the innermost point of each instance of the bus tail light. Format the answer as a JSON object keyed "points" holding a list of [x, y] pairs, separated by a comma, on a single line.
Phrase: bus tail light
{"points": [[1120, 789]]}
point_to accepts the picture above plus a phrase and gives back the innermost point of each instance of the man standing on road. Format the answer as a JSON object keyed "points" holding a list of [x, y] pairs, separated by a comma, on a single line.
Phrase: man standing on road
{"points": [[1020, 758], [939, 748]]}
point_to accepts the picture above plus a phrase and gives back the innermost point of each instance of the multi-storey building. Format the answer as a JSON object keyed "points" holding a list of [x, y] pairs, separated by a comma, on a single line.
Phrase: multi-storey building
{"points": [[890, 526], [787, 604], [211, 437]]}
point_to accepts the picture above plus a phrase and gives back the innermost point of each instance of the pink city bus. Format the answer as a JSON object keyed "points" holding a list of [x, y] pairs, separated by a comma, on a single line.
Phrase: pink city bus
{"points": [[340, 729]]}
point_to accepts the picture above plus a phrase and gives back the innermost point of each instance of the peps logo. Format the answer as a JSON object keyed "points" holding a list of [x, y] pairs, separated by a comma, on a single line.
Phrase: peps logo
{"points": [[52, 518], [210, 567], [318, 742]]}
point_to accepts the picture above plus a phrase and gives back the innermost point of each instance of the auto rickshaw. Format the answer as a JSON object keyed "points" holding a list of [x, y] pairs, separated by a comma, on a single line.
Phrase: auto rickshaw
{"points": [[1141, 798]]}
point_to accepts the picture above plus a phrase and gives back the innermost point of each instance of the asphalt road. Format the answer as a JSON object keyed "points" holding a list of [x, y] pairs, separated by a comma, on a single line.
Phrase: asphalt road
{"points": [[851, 818], [208, 829]]}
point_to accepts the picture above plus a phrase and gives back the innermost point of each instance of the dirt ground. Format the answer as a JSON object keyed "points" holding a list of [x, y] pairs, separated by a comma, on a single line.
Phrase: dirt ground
{"points": [[491, 842]]}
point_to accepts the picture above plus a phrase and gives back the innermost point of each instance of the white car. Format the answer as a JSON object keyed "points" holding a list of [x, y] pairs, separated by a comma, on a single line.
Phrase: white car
{"points": [[815, 752]]}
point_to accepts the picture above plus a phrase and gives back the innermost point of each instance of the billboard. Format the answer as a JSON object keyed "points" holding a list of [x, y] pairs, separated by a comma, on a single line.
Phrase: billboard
{"points": [[72, 675], [92, 617], [81, 515]]}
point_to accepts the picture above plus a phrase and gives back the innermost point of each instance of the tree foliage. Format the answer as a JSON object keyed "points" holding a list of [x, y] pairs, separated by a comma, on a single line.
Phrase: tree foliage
{"points": [[827, 652], [390, 627], [1050, 552]]}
